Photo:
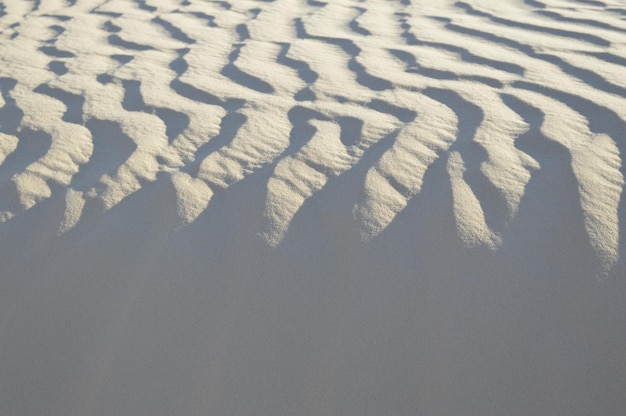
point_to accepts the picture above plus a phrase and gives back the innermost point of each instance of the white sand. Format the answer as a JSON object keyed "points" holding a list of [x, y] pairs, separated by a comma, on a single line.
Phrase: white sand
{"points": [[297, 207]]}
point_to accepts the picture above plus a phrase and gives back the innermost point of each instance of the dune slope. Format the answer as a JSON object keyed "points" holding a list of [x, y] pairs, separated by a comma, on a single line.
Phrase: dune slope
{"points": [[278, 207]]}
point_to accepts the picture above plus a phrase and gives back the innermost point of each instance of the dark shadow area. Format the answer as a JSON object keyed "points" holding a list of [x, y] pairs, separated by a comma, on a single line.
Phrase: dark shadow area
{"points": [[111, 149], [55, 52], [59, 17], [242, 32], [73, 102], [58, 30], [111, 27], [302, 130], [609, 57], [175, 122], [196, 94], [550, 221], [143, 5], [10, 114], [58, 67], [550, 208], [122, 59], [174, 31], [31, 146], [179, 65], [223, 4], [534, 3], [115, 40], [302, 68], [593, 3], [235, 74], [109, 14], [209, 18], [601, 120], [616, 10], [104, 79], [158, 311], [356, 27], [304, 72], [351, 130], [133, 100], [305, 94], [229, 126]]}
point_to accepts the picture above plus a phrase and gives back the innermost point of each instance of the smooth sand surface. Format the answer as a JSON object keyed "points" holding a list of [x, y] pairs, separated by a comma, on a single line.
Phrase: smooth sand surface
{"points": [[298, 207]]}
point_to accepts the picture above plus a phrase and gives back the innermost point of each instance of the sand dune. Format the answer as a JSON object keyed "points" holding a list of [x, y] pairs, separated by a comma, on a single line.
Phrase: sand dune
{"points": [[312, 207]]}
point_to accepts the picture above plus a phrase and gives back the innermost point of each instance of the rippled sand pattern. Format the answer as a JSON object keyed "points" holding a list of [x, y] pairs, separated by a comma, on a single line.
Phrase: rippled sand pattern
{"points": [[101, 98], [340, 138]]}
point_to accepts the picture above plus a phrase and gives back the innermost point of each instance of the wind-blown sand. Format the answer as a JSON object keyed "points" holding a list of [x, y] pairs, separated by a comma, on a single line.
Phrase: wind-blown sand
{"points": [[297, 207]]}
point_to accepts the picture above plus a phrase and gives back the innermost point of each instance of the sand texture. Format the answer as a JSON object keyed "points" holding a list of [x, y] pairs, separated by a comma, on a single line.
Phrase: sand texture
{"points": [[312, 208]]}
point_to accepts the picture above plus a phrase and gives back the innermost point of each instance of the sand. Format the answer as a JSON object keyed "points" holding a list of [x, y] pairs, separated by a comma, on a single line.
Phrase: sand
{"points": [[298, 207]]}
